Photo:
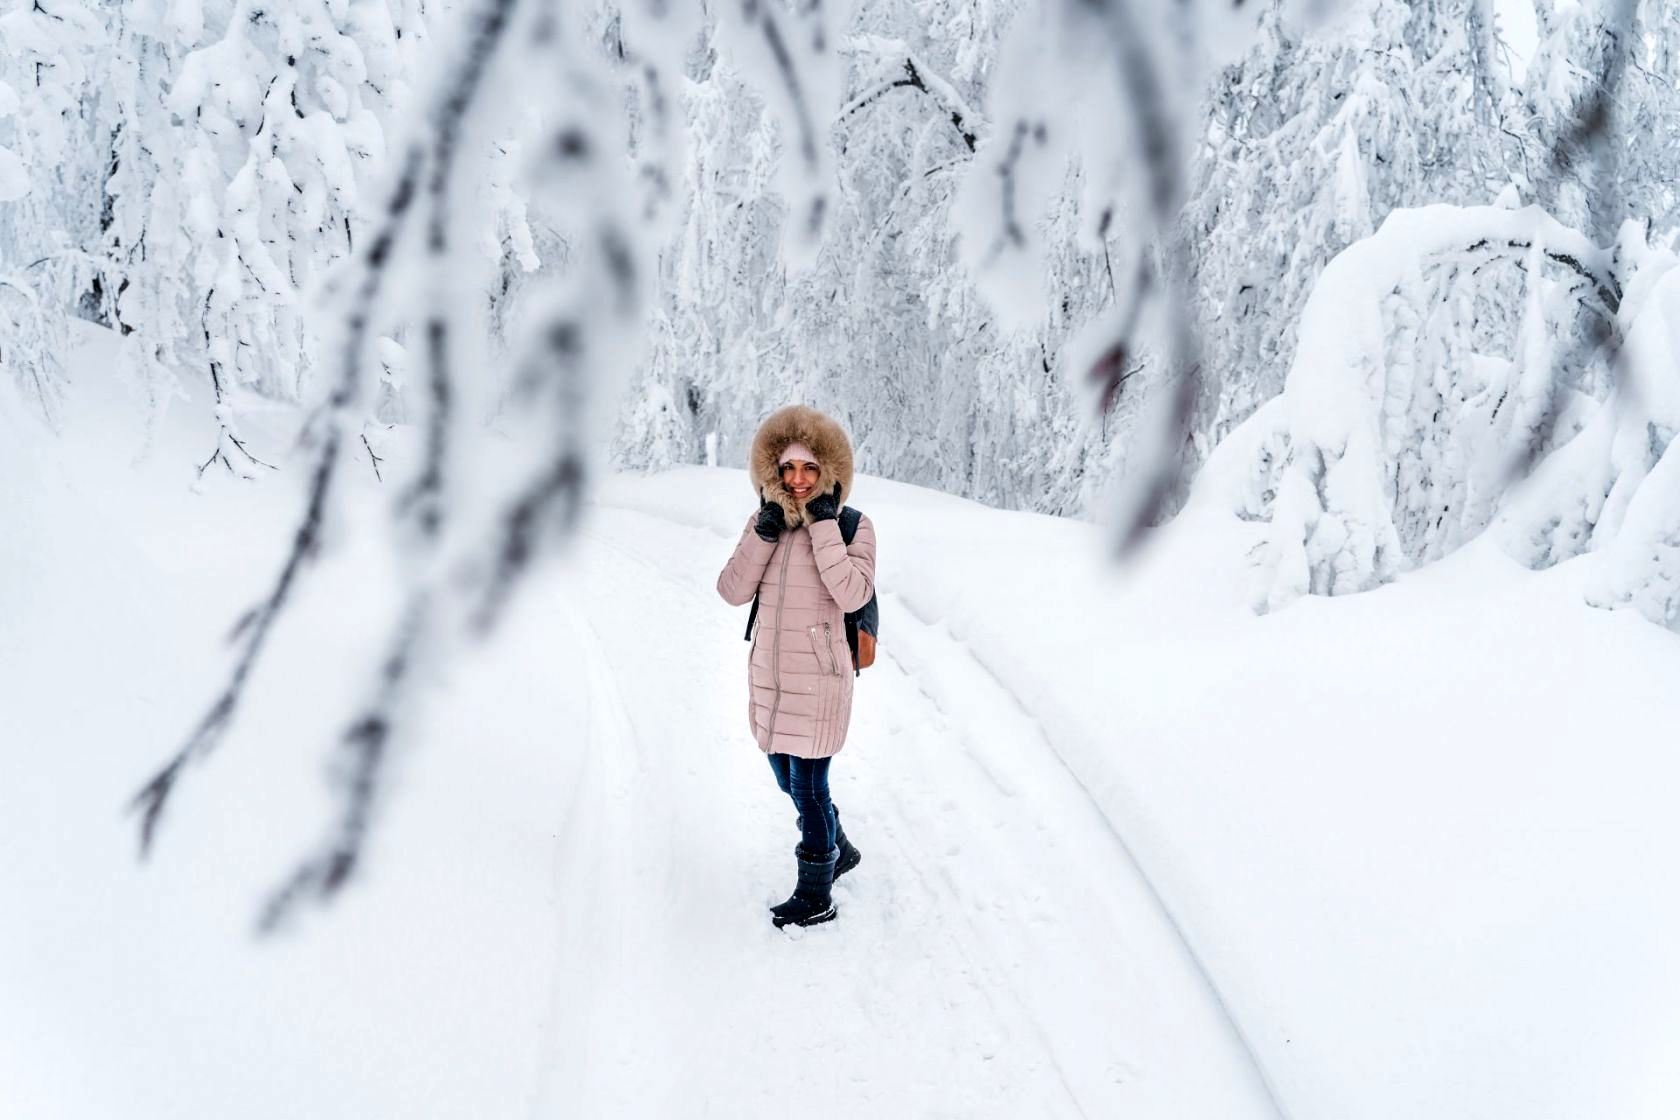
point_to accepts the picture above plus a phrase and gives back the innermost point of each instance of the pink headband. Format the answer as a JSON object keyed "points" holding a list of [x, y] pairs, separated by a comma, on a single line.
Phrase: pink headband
{"points": [[796, 450]]}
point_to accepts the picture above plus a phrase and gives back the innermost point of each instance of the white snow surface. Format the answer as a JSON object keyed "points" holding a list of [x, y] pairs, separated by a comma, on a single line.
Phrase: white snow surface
{"points": [[1129, 850]]}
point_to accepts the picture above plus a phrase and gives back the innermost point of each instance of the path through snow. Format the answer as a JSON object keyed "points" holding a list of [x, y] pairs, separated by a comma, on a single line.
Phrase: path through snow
{"points": [[997, 953], [1407, 832]]}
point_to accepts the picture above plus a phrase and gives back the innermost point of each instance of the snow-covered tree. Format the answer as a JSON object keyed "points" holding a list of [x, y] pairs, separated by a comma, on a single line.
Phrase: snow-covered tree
{"points": [[1312, 139], [243, 138], [1458, 348], [885, 328], [52, 160], [1614, 488], [1411, 403]]}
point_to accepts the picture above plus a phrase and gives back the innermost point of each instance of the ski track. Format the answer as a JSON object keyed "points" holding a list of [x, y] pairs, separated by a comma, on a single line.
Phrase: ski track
{"points": [[996, 954], [590, 857]]}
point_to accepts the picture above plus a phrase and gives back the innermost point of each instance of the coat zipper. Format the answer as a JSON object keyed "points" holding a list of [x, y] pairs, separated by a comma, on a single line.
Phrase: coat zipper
{"points": [[827, 645], [776, 642]]}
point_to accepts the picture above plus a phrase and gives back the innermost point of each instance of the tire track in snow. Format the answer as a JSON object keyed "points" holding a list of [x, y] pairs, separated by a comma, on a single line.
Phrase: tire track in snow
{"points": [[589, 854]]}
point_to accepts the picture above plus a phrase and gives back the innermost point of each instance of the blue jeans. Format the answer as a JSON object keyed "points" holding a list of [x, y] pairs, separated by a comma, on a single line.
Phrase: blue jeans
{"points": [[806, 781]]}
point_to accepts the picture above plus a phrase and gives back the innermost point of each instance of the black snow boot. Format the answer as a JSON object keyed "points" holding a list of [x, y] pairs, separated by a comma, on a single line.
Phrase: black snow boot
{"points": [[811, 903], [850, 857]]}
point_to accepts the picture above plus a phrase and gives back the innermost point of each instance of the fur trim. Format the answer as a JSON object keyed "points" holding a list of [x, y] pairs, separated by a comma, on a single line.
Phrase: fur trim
{"points": [[822, 434]]}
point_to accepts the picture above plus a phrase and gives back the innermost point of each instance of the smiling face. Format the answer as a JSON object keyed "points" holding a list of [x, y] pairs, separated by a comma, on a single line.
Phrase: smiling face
{"points": [[818, 460], [799, 477]]}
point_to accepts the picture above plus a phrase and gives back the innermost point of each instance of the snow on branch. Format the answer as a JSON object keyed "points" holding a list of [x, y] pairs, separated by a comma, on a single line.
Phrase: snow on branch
{"points": [[369, 276], [1614, 488], [653, 43], [465, 557], [584, 333], [32, 342], [1395, 435], [1587, 144], [1112, 87], [1474, 367], [418, 638], [787, 52], [913, 74]]}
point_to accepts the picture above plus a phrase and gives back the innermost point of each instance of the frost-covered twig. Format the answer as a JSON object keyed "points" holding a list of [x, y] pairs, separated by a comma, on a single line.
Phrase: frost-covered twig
{"points": [[1588, 143], [918, 76], [789, 51], [462, 574], [366, 743], [424, 499], [1106, 90], [373, 459], [903, 192], [554, 377], [1109, 371], [1011, 225], [226, 436], [1141, 74], [31, 353], [761, 16], [252, 634], [1605, 289], [1588, 140], [582, 333]]}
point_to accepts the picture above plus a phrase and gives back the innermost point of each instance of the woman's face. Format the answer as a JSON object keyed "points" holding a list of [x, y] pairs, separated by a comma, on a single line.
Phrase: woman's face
{"points": [[800, 478]]}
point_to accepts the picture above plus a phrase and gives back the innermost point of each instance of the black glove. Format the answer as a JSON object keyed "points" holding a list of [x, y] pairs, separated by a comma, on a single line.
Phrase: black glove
{"points": [[824, 507], [771, 520]]}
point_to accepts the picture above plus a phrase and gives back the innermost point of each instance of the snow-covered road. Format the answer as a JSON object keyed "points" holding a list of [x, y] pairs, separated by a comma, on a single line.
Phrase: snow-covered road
{"points": [[997, 953], [567, 911], [1407, 834]]}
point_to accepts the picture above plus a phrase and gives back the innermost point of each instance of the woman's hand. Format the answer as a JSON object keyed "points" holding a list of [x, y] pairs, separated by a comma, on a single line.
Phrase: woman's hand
{"points": [[824, 507], [771, 520]]}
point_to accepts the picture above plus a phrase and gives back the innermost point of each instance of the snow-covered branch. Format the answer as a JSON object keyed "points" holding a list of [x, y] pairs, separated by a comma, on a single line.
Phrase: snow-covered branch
{"points": [[1399, 424], [367, 742], [1112, 88], [916, 75], [465, 559], [788, 54], [368, 281]]}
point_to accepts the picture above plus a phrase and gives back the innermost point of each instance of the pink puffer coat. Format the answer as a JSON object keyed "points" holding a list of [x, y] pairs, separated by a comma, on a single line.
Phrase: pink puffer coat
{"points": [[800, 668]]}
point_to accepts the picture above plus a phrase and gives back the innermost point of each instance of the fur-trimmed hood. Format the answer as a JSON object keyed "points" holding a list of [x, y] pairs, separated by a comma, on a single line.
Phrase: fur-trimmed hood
{"points": [[822, 434]]}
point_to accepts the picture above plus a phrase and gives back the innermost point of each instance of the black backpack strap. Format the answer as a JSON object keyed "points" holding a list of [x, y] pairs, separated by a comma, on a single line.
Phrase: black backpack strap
{"points": [[849, 519]]}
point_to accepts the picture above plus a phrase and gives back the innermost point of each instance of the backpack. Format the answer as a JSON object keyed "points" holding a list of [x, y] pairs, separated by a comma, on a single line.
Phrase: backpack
{"points": [[863, 624]]}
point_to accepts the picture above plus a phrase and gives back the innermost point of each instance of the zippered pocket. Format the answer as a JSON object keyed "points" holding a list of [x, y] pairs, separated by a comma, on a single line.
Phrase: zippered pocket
{"points": [[824, 648]]}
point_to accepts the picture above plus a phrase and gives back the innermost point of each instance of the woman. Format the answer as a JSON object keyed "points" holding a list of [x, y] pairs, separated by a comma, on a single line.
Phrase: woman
{"points": [[792, 556]]}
